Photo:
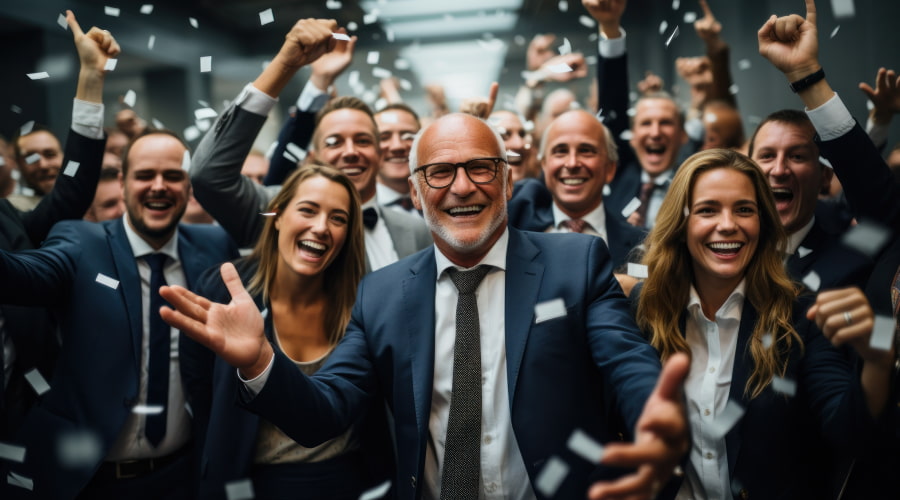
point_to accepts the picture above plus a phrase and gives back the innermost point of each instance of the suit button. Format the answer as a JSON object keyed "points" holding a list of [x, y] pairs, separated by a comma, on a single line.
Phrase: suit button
{"points": [[412, 481]]}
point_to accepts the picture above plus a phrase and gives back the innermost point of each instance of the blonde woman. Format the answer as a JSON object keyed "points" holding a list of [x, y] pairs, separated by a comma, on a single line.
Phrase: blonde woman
{"points": [[718, 291]]}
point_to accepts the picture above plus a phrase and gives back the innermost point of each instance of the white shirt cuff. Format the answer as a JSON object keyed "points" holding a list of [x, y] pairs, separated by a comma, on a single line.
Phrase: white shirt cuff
{"points": [[255, 101], [831, 119], [312, 98], [256, 384], [87, 118], [610, 48], [878, 133]]}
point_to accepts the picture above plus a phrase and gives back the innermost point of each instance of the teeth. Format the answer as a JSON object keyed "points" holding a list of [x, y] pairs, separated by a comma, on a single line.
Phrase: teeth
{"points": [[465, 210], [781, 191], [353, 171], [398, 159], [573, 182], [725, 246], [158, 205], [313, 245]]}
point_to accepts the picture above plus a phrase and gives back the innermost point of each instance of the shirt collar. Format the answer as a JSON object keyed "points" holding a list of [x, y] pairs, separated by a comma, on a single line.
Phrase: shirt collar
{"points": [[596, 217], [731, 309], [660, 180], [794, 240], [386, 195], [140, 248], [495, 257]]}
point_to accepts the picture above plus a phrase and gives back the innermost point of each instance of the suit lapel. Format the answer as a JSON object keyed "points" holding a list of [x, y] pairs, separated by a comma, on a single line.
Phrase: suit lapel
{"points": [[743, 365], [523, 279], [129, 281], [401, 242], [193, 262], [418, 299], [799, 267]]}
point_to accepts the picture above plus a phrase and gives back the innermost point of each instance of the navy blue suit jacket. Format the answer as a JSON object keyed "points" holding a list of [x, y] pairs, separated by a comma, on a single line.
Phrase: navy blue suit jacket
{"points": [[531, 209], [835, 264], [584, 370], [95, 383]]}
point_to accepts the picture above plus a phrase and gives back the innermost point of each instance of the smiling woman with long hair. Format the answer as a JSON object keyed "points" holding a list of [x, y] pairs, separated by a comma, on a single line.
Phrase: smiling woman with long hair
{"points": [[718, 291], [303, 272]]}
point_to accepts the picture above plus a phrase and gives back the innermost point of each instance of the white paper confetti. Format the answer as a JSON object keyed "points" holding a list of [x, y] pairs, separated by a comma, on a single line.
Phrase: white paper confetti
{"points": [[803, 251], [241, 489], [111, 64], [585, 446], [20, 481], [15, 109], [71, 168], [551, 309], [867, 237], [377, 492], [637, 270], [130, 98], [733, 89], [33, 158], [351, 26], [812, 281], [843, 8], [563, 6], [147, 8], [835, 30], [333, 5], [663, 26], [767, 340], [266, 17], [157, 124], [61, 21], [26, 129], [551, 476], [565, 48], [389, 34], [341, 36], [784, 386], [676, 4], [268, 214], [370, 18], [690, 17], [111, 11], [559, 68], [586, 21], [204, 113], [626, 135], [296, 150], [206, 64], [39, 76], [672, 36], [151, 42], [405, 84], [186, 161], [107, 281], [194, 22], [79, 449], [12, 452], [882, 333], [378, 72], [744, 64], [37, 381], [372, 57], [726, 420], [632, 205], [147, 409]]}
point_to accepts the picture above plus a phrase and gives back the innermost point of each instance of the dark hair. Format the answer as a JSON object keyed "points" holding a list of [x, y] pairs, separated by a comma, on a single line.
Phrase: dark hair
{"points": [[38, 127], [789, 116], [399, 106]]}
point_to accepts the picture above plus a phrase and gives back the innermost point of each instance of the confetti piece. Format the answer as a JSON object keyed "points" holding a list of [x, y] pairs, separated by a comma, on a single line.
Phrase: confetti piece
{"points": [[61, 21], [405, 84], [71, 168], [147, 409], [341, 36], [586, 21], [632, 205], [371, 17], [203, 103], [672, 36], [389, 33], [26, 129], [733, 89], [241, 489], [111, 64], [372, 57], [784, 386], [381, 72], [867, 237], [690, 17], [726, 420], [266, 17], [563, 6], [519, 40], [15, 109], [882, 337], [79, 449], [744, 64], [33, 158], [107, 281], [194, 22], [147, 8], [20, 481], [551, 309], [151, 42], [206, 64], [767, 340], [157, 124], [268, 214], [351, 26], [560, 68], [189, 409], [333, 5], [37, 381], [204, 113], [330, 141], [377, 492], [626, 135], [676, 4], [585, 446], [289, 157], [843, 8], [111, 11], [296, 150], [130, 98], [812, 281], [835, 30], [12, 453], [186, 161], [803, 251], [39, 76], [565, 48], [637, 270], [2, 162], [551, 476], [663, 26]]}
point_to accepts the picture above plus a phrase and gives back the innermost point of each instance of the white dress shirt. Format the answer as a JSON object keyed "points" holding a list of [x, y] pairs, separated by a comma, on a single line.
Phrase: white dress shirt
{"points": [[390, 198], [662, 182], [713, 345], [131, 442], [503, 473], [379, 245], [596, 218], [797, 237]]}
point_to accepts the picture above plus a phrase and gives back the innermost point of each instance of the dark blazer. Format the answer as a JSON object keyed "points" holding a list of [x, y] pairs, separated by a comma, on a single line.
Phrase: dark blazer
{"points": [[561, 371], [774, 450], [298, 130], [531, 209], [225, 434], [835, 264], [32, 329], [96, 378]]}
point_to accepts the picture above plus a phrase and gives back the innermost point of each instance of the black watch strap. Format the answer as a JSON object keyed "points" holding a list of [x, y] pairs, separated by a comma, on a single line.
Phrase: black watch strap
{"points": [[808, 81]]}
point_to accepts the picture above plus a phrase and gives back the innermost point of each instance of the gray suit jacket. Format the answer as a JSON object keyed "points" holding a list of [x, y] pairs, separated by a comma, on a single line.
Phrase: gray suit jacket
{"points": [[236, 202]]}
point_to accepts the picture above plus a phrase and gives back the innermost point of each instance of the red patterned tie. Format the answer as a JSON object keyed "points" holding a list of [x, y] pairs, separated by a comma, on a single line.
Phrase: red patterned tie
{"points": [[575, 225], [644, 197]]}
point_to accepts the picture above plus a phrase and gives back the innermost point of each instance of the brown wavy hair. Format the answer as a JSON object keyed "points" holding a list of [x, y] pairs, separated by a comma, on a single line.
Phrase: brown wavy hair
{"points": [[342, 277], [666, 291]]}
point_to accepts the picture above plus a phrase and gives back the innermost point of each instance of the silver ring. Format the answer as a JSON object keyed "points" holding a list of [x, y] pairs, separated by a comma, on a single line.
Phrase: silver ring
{"points": [[848, 318]]}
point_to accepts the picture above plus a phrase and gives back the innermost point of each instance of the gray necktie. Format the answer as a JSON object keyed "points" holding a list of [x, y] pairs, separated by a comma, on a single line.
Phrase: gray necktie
{"points": [[462, 450]]}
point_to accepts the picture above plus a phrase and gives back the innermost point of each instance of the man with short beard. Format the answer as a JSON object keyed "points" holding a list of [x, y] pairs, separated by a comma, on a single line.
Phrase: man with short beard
{"points": [[39, 158]]}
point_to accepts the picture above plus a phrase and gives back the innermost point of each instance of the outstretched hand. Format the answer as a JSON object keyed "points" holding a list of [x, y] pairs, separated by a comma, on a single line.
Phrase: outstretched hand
{"points": [[328, 66], [845, 317], [791, 43], [707, 27], [481, 107], [234, 331], [308, 40], [94, 47], [885, 96], [660, 443], [607, 13]]}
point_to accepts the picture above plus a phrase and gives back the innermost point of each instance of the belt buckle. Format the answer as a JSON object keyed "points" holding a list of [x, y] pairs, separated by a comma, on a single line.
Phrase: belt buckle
{"points": [[127, 475]]}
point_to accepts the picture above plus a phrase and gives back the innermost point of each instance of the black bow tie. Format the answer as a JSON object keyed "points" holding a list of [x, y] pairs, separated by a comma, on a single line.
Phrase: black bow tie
{"points": [[370, 217]]}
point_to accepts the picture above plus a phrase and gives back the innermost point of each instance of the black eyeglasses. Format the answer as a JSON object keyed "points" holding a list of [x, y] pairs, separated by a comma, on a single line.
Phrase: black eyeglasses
{"points": [[479, 171]]}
